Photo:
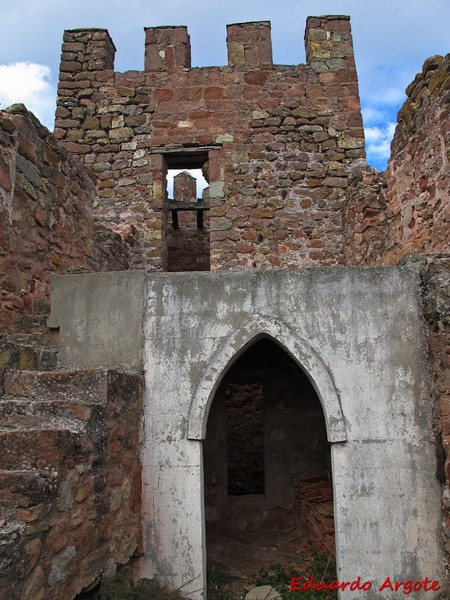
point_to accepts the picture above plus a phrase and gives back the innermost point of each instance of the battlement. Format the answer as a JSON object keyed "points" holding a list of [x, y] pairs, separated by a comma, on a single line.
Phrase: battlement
{"points": [[328, 44], [87, 50], [249, 44], [278, 142], [167, 49]]}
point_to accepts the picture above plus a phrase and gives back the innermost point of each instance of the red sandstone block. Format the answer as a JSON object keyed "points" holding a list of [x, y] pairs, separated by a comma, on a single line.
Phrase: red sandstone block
{"points": [[256, 78], [213, 93], [37, 449], [70, 66], [24, 489], [243, 247], [77, 148], [81, 386], [199, 114], [27, 149], [163, 95], [5, 181]]}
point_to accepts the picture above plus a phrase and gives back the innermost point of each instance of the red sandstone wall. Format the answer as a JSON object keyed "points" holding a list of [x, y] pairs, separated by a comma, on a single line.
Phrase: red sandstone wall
{"points": [[280, 140], [46, 217], [407, 209], [418, 173], [70, 476], [366, 218]]}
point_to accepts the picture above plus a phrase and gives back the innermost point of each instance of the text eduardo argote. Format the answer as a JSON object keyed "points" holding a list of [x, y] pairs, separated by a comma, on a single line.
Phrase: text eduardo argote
{"points": [[300, 584]]}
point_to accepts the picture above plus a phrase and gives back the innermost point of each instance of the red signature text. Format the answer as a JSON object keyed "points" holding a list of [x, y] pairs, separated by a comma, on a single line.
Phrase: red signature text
{"points": [[300, 584]]}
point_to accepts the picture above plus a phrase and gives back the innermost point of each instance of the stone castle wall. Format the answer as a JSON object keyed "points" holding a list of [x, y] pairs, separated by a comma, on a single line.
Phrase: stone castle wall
{"points": [[70, 475], [279, 140], [418, 173], [282, 149], [406, 209], [47, 224]]}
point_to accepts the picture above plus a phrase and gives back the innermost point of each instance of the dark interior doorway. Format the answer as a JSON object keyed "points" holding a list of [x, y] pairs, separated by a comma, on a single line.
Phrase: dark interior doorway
{"points": [[266, 440]]}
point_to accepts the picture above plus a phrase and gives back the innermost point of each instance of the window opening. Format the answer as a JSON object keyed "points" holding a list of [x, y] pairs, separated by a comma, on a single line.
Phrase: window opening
{"points": [[187, 206]]}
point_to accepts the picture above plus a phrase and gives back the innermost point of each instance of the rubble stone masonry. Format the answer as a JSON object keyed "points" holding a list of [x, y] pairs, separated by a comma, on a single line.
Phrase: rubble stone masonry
{"points": [[70, 476], [279, 140], [46, 218], [282, 149], [406, 209]]}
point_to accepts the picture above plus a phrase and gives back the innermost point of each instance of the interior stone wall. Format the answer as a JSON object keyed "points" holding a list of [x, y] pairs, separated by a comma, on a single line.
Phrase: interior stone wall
{"points": [[267, 427], [46, 218]]}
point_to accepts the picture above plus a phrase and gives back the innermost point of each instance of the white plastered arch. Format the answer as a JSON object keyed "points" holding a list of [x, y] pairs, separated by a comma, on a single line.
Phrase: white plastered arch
{"points": [[301, 351]]}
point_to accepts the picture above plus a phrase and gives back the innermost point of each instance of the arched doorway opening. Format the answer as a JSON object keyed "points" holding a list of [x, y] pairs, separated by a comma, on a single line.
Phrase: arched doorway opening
{"points": [[265, 452]]}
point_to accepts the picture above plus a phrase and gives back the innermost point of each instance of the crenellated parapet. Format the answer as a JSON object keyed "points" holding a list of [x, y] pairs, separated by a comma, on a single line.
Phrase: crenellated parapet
{"points": [[278, 141], [167, 49], [328, 43], [249, 45], [87, 50]]}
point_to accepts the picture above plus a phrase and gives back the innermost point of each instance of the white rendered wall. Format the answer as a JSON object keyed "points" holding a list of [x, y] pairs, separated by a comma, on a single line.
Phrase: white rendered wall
{"points": [[358, 334]]}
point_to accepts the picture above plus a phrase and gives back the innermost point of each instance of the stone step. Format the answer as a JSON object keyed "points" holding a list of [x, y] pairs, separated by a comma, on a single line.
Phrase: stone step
{"points": [[36, 358], [35, 322], [18, 414], [25, 356], [23, 489], [31, 449], [89, 386]]}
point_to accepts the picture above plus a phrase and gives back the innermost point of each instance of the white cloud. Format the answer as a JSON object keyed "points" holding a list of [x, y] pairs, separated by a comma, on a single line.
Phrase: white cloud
{"points": [[379, 128], [378, 143], [28, 83], [371, 114]]}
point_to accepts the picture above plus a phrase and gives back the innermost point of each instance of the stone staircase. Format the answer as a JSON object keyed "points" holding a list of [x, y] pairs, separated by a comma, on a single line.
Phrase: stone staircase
{"points": [[69, 468], [31, 345], [44, 436]]}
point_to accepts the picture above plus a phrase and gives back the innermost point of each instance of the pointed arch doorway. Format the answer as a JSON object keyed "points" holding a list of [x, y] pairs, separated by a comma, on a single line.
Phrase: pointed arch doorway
{"points": [[266, 431], [226, 354]]}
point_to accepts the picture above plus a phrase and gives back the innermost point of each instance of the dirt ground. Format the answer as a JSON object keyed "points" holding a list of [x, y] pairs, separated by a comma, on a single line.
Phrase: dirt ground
{"points": [[252, 538]]}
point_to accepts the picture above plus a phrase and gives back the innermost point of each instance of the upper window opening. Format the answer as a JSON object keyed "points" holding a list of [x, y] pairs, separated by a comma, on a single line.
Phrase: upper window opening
{"points": [[187, 203]]}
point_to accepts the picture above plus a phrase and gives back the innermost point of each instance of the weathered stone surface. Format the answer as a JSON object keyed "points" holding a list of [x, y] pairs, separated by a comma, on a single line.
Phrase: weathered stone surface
{"points": [[263, 592], [80, 511], [210, 108], [388, 443], [282, 150], [52, 197]]}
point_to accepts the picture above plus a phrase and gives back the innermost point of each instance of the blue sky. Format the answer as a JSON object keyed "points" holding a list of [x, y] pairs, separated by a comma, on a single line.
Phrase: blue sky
{"points": [[392, 38]]}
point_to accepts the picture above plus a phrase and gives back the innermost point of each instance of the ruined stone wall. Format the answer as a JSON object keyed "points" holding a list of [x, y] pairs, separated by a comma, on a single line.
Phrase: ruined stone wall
{"points": [[366, 218], [46, 218], [434, 273], [418, 173], [70, 476], [436, 282], [279, 140], [69, 442], [279, 144], [407, 209]]}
